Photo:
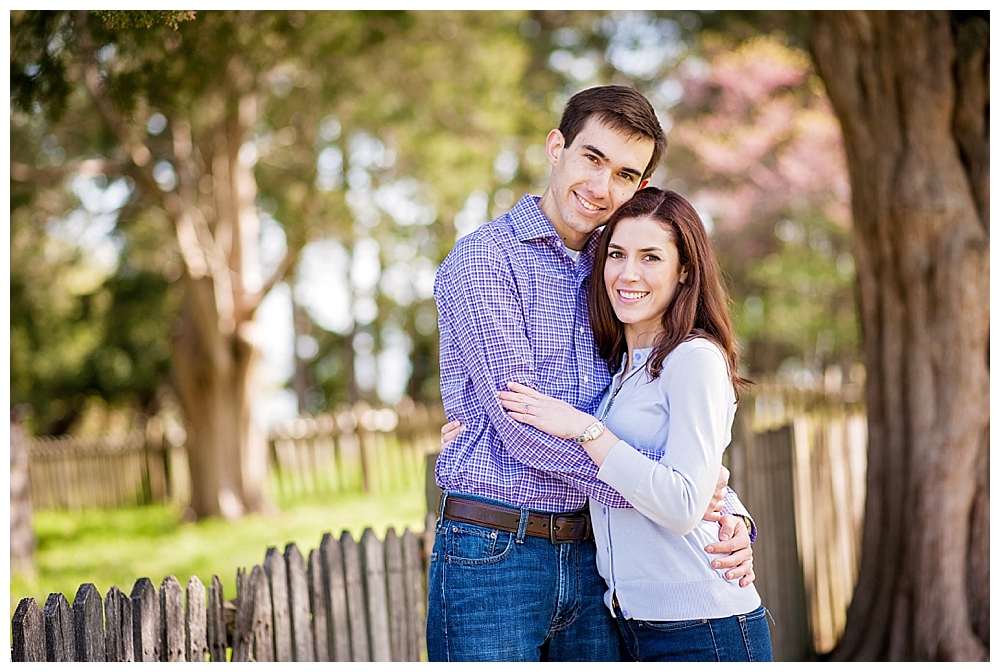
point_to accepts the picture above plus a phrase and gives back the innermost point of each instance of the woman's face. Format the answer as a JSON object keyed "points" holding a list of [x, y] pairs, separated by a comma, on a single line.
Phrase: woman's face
{"points": [[641, 275]]}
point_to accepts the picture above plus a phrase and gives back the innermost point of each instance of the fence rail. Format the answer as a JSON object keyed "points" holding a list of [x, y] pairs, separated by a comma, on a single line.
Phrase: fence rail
{"points": [[346, 600]]}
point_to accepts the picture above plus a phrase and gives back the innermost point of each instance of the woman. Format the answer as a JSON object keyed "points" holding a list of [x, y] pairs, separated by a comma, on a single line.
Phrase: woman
{"points": [[660, 319]]}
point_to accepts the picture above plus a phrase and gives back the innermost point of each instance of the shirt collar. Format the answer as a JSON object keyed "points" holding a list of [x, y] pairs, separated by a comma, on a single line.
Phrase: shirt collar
{"points": [[530, 223]]}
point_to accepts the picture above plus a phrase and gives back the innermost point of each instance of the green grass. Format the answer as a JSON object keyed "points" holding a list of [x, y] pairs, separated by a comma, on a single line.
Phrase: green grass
{"points": [[117, 547]]}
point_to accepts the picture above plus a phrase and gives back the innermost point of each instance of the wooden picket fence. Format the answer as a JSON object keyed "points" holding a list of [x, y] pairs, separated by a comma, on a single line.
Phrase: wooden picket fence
{"points": [[76, 473], [347, 600], [357, 448]]}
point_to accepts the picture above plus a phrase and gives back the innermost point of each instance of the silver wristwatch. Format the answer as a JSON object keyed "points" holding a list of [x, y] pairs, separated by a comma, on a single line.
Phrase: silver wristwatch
{"points": [[592, 432]]}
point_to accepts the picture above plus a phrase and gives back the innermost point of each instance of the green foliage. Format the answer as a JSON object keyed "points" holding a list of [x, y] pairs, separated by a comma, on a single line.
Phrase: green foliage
{"points": [[757, 148], [798, 307], [413, 82], [78, 330], [146, 18], [38, 68]]}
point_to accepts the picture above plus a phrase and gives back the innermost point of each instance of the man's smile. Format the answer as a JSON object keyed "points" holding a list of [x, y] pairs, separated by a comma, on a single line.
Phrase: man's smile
{"points": [[587, 204]]}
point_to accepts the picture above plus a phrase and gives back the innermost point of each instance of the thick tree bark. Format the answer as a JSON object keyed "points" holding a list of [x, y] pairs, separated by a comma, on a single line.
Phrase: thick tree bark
{"points": [[214, 379], [911, 90]]}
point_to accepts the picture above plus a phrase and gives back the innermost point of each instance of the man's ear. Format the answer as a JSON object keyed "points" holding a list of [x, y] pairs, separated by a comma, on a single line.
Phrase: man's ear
{"points": [[555, 142]]}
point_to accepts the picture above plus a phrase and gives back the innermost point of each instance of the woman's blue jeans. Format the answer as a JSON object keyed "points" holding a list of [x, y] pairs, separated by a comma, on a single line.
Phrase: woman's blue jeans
{"points": [[502, 596], [736, 638]]}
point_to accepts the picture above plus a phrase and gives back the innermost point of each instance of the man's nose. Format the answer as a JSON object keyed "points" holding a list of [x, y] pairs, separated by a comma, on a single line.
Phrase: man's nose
{"points": [[600, 183]]}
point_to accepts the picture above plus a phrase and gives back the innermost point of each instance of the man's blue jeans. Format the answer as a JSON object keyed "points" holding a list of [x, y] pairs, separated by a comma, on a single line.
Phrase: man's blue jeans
{"points": [[501, 596], [734, 639]]}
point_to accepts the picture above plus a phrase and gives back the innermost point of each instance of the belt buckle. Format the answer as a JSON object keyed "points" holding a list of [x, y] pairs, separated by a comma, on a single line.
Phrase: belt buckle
{"points": [[552, 530]]}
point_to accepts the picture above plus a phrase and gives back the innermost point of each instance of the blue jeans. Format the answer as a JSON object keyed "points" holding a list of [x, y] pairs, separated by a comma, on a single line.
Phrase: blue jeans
{"points": [[734, 639], [503, 596]]}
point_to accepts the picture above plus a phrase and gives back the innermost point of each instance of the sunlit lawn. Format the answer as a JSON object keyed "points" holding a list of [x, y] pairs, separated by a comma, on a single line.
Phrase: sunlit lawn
{"points": [[116, 547]]}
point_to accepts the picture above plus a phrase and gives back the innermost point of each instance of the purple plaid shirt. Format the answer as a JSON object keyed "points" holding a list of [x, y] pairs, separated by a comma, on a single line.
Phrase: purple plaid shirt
{"points": [[512, 307]]}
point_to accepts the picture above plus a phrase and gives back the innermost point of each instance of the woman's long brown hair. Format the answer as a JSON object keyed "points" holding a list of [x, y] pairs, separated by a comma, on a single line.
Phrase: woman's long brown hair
{"points": [[700, 306]]}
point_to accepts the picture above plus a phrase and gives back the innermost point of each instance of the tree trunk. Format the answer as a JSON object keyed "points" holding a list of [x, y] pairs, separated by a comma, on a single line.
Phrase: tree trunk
{"points": [[911, 90], [214, 376], [22, 536]]}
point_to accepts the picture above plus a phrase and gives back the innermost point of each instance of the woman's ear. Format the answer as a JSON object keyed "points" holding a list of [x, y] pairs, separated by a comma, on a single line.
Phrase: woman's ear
{"points": [[683, 276]]}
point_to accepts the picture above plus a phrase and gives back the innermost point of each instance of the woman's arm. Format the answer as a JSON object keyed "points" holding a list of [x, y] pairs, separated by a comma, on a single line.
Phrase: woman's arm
{"points": [[674, 490], [558, 418]]}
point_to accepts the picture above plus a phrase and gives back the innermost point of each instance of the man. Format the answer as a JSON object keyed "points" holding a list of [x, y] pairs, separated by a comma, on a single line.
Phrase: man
{"points": [[513, 573]]}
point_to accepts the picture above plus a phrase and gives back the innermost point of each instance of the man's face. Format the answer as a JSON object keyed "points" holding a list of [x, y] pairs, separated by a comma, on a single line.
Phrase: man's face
{"points": [[591, 178]]}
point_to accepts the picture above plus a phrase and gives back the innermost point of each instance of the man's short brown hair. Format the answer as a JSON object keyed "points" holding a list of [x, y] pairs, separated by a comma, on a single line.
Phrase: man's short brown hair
{"points": [[621, 108]]}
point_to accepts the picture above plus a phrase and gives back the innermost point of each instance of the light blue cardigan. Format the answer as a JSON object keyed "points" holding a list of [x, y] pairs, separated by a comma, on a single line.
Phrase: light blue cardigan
{"points": [[652, 557]]}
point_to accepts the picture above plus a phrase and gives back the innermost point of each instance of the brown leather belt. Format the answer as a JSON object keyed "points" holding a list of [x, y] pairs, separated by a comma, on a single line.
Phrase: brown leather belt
{"points": [[558, 528]]}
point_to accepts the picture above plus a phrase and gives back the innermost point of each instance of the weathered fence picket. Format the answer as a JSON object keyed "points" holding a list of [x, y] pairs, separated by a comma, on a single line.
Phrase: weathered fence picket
{"points": [[335, 597], [216, 624], [319, 608], [243, 626], [396, 596], [87, 612], [60, 627], [355, 591], [413, 582], [171, 620], [298, 603], [145, 621], [376, 602], [118, 627], [196, 617], [277, 575], [28, 630]]}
